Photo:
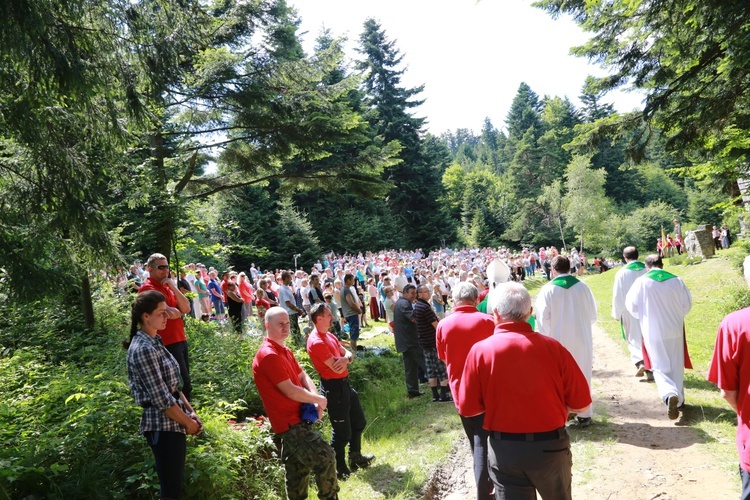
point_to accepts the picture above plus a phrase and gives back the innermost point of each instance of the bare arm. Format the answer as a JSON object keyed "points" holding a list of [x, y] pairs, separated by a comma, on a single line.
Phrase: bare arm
{"points": [[183, 304], [579, 410], [731, 397], [300, 394]]}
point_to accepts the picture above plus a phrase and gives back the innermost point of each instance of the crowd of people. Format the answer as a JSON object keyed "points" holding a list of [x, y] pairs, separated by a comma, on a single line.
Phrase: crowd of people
{"points": [[487, 364]]}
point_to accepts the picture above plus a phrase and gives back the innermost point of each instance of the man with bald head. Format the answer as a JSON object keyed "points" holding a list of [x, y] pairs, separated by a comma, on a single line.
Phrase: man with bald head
{"points": [[284, 388]]}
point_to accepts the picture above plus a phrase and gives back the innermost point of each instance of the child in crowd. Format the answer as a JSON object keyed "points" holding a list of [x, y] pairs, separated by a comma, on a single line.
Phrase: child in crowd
{"points": [[437, 301], [262, 305], [389, 306]]}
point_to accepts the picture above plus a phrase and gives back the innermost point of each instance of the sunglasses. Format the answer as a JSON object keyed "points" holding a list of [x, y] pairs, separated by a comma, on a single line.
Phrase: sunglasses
{"points": [[163, 267]]}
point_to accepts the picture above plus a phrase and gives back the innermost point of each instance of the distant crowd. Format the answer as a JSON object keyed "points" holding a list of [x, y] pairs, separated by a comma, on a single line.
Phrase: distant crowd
{"points": [[479, 350]]}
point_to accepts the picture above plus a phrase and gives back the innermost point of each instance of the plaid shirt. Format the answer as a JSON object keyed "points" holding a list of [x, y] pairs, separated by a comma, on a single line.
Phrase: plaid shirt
{"points": [[153, 377]]}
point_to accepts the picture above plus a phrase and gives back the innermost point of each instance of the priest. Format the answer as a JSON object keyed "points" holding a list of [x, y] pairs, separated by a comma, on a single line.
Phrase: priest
{"points": [[565, 311], [631, 329], [660, 301]]}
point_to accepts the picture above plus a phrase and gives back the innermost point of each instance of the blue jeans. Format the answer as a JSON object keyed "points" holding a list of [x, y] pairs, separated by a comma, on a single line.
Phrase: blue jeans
{"points": [[353, 322]]}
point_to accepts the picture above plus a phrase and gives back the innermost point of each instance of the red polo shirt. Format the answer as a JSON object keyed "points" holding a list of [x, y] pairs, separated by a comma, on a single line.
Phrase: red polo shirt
{"points": [[175, 329], [274, 363], [321, 347], [456, 335], [522, 381], [730, 370]]}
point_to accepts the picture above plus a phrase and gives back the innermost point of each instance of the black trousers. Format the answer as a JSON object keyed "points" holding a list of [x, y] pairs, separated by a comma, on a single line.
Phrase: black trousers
{"points": [[413, 361], [521, 468], [473, 427], [347, 418], [180, 352], [169, 450]]}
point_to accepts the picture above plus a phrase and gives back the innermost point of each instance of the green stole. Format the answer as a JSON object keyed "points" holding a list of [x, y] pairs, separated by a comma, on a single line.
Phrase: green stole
{"points": [[635, 266], [659, 275], [565, 281]]}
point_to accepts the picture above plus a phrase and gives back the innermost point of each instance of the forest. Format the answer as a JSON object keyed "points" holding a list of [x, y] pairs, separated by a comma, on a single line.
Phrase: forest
{"points": [[204, 131]]}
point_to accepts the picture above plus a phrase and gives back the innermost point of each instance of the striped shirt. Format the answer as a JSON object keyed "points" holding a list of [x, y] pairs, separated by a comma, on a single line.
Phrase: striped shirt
{"points": [[154, 378]]}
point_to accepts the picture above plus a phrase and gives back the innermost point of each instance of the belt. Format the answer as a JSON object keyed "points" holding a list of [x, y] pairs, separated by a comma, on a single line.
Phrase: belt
{"points": [[148, 404], [333, 381], [530, 437]]}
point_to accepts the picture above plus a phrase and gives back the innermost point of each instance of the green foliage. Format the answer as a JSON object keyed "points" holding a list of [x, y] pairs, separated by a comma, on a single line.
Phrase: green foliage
{"points": [[690, 59], [69, 427], [585, 204]]}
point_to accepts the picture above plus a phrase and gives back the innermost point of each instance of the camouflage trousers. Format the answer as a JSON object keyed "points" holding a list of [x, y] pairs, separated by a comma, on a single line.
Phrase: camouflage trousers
{"points": [[303, 450]]}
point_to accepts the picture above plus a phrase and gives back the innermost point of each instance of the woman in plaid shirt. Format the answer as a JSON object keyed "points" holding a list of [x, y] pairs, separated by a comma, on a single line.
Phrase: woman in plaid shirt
{"points": [[154, 380]]}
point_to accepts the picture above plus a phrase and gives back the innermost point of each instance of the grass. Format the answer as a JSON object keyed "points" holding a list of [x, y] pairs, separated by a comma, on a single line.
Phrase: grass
{"points": [[409, 437], [712, 284]]}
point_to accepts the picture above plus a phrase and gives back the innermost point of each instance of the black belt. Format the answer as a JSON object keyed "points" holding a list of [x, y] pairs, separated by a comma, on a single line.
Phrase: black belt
{"points": [[148, 404], [530, 436], [333, 381]]}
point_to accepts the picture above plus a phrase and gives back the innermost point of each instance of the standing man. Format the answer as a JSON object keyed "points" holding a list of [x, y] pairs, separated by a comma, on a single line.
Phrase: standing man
{"points": [[283, 387], [330, 359], [406, 338], [565, 311], [427, 322], [289, 303], [351, 310], [455, 336], [525, 384], [173, 336], [660, 301], [731, 372], [631, 329]]}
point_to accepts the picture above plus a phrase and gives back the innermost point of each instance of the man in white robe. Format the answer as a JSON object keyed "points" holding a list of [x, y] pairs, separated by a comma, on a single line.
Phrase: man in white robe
{"points": [[565, 311], [626, 276], [660, 301]]}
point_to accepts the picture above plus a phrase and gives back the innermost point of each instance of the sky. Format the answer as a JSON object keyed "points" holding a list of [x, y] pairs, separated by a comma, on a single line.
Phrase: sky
{"points": [[470, 55]]}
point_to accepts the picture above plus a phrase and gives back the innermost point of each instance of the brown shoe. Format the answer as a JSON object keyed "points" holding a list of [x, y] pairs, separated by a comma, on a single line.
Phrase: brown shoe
{"points": [[673, 412]]}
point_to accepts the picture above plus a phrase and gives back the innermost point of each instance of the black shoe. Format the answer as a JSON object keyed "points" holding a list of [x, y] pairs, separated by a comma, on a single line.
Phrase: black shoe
{"points": [[359, 461], [582, 422], [415, 394], [446, 399], [343, 473], [650, 376]]}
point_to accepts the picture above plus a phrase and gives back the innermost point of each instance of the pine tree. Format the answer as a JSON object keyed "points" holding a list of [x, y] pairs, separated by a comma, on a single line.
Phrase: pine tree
{"points": [[413, 202]]}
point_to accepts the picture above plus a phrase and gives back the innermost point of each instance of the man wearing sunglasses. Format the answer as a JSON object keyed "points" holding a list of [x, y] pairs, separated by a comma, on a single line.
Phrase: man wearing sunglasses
{"points": [[173, 335]]}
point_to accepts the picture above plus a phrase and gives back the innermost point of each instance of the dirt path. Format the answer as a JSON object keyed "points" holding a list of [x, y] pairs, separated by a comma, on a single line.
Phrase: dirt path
{"points": [[647, 455]]}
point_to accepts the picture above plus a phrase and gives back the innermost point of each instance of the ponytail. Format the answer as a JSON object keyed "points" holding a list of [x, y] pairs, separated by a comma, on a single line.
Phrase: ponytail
{"points": [[145, 302]]}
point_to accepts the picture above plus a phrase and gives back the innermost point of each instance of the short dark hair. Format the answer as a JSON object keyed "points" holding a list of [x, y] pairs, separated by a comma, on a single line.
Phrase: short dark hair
{"points": [[654, 260], [317, 311], [408, 288], [630, 253], [561, 264], [348, 277]]}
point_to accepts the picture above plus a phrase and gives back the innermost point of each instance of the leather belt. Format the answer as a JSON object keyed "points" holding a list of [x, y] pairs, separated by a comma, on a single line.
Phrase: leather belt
{"points": [[529, 436]]}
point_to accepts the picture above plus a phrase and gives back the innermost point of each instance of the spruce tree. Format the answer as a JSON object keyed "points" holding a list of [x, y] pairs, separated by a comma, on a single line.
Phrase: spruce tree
{"points": [[413, 201]]}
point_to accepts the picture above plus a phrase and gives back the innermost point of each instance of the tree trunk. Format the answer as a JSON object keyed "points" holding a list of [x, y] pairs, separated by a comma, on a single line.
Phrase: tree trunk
{"points": [[87, 305]]}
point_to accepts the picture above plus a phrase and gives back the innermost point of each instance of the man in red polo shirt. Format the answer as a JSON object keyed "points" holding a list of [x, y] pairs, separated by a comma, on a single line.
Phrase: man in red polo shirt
{"points": [[330, 359], [456, 335], [283, 387], [173, 336], [526, 384]]}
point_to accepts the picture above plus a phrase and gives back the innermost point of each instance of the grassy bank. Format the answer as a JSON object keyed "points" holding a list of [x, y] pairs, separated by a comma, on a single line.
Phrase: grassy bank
{"points": [[717, 287]]}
